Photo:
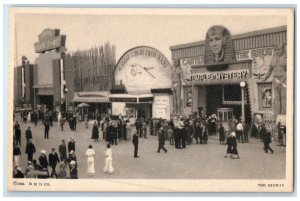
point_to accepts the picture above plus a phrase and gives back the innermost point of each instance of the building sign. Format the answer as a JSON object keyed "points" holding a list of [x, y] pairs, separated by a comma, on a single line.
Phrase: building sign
{"points": [[101, 80], [186, 66], [142, 69], [219, 76], [126, 100], [161, 107], [49, 40], [146, 99], [261, 60]]}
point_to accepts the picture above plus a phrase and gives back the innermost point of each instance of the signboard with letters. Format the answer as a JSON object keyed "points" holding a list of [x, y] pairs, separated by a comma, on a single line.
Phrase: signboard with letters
{"points": [[261, 60], [49, 39], [161, 107]]}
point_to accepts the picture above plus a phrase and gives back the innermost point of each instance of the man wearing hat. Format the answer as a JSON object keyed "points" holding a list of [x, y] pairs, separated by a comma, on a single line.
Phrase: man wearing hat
{"points": [[28, 134], [71, 145], [135, 142], [30, 150], [19, 173], [53, 160], [73, 170], [17, 133], [161, 141], [62, 149], [43, 159], [61, 173]]}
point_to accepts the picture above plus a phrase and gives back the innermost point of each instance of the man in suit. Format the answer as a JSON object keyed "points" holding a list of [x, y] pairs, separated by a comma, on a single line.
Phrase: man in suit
{"points": [[53, 160], [28, 134], [135, 141], [18, 133], [47, 128], [30, 150], [62, 149], [71, 145], [161, 141], [43, 160]]}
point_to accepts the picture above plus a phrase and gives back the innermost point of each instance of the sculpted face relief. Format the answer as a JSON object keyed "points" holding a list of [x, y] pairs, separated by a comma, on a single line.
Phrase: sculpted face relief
{"points": [[217, 41]]}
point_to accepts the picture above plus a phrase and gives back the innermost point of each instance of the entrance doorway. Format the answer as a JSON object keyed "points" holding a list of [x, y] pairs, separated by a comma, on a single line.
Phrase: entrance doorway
{"points": [[227, 96], [48, 101], [144, 110]]}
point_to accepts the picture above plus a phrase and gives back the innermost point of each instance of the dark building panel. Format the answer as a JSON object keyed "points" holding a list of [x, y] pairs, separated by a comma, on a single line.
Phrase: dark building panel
{"points": [[69, 76], [56, 82], [29, 84]]}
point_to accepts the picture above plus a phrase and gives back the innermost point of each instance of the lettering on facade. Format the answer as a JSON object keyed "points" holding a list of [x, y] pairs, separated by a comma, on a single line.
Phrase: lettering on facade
{"points": [[145, 51], [186, 66], [131, 100], [261, 60], [161, 107], [49, 40], [102, 82], [217, 76]]}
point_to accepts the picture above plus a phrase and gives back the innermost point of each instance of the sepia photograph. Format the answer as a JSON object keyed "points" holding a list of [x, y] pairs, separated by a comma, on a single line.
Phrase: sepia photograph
{"points": [[151, 100]]}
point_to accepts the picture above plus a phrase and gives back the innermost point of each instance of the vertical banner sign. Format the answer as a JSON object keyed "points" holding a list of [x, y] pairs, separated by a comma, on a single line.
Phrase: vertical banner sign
{"points": [[62, 94], [23, 83], [161, 107]]}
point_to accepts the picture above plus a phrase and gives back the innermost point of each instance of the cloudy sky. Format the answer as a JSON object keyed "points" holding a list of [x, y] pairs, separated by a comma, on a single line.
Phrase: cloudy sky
{"points": [[158, 30]]}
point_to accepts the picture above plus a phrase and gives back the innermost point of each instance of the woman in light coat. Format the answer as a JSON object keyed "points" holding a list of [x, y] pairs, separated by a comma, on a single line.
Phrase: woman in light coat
{"points": [[108, 168], [90, 160], [58, 118]]}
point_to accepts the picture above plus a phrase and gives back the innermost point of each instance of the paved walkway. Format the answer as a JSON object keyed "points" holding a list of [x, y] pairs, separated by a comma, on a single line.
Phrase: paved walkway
{"points": [[195, 162]]}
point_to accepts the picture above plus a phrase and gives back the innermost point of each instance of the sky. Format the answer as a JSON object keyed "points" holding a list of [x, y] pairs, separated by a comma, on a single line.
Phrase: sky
{"points": [[159, 31]]}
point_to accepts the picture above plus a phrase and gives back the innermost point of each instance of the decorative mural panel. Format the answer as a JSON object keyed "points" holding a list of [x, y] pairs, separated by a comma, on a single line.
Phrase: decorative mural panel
{"points": [[265, 96], [261, 58], [186, 66]]}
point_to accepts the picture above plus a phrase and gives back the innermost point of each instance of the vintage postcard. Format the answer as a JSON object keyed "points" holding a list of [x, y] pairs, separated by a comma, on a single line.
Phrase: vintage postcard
{"points": [[151, 100]]}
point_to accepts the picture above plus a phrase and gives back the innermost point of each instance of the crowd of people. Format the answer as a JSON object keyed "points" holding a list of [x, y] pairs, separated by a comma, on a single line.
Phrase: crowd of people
{"points": [[179, 132]]}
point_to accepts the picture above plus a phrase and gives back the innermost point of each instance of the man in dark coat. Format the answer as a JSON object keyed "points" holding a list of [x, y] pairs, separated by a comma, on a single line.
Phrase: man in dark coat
{"points": [[73, 170], [71, 145], [74, 122], [115, 135], [62, 149], [18, 133], [98, 119], [19, 174], [53, 160], [95, 132], [43, 160], [135, 142], [189, 133], [28, 134], [161, 141], [198, 133], [267, 138], [110, 134], [47, 128], [34, 117], [221, 134], [30, 150]]}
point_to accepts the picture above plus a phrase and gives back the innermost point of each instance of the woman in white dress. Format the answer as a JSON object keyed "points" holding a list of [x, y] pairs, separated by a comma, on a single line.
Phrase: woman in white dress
{"points": [[58, 118], [108, 160], [90, 160], [29, 117]]}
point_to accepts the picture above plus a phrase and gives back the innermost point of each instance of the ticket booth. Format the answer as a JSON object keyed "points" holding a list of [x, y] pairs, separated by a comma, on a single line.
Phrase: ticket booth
{"points": [[225, 115]]}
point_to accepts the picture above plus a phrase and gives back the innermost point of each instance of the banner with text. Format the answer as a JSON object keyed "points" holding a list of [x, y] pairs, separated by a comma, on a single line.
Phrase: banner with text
{"points": [[161, 107], [220, 76], [261, 60]]}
